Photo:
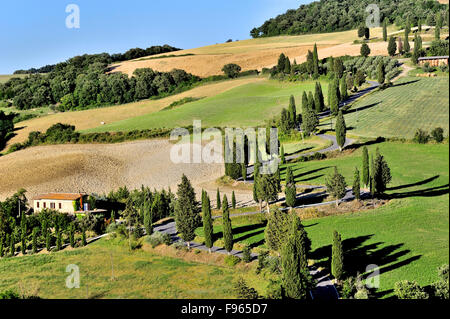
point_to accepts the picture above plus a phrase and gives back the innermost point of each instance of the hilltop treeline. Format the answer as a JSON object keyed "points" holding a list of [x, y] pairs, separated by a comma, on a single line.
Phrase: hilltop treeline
{"points": [[83, 82], [116, 57], [340, 15]]}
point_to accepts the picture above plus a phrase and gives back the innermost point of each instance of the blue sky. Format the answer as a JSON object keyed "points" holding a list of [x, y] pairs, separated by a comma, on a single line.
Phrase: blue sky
{"points": [[33, 33]]}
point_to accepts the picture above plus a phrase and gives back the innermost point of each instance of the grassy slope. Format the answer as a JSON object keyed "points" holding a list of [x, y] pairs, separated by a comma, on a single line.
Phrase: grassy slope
{"points": [[138, 274], [408, 238], [246, 105], [398, 111], [93, 117]]}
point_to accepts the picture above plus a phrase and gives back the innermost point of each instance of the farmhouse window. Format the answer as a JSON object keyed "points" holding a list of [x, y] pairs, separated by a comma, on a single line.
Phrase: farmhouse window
{"points": [[37, 204], [52, 205], [59, 206], [45, 205]]}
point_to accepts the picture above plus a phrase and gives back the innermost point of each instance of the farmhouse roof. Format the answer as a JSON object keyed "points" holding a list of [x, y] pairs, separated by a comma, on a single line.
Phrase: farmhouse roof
{"points": [[434, 57], [60, 196]]}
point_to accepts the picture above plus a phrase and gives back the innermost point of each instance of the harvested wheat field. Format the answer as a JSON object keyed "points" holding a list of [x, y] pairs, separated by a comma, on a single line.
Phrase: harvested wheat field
{"points": [[254, 53], [93, 117], [99, 168]]}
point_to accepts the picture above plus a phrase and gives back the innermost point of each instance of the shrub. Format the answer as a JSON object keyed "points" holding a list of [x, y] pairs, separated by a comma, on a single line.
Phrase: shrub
{"points": [[231, 260], [180, 245], [231, 70], [262, 261], [159, 238], [247, 254], [409, 290], [135, 244], [421, 137], [9, 294], [438, 134], [274, 290], [242, 291]]}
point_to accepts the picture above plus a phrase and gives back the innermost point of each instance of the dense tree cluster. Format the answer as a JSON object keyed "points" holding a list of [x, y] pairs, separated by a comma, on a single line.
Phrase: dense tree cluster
{"points": [[339, 15], [6, 127], [83, 82], [116, 57]]}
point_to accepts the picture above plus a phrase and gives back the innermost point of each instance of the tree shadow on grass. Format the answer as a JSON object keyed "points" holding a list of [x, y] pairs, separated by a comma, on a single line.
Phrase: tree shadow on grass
{"points": [[426, 181], [252, 230], [358, 256], [298, 177], [355, 146], [362, 108], [405, 83], [428, 192]]}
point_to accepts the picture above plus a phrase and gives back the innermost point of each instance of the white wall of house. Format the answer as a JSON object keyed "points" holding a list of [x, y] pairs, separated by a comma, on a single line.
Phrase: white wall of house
{"points": [[65, 206]]}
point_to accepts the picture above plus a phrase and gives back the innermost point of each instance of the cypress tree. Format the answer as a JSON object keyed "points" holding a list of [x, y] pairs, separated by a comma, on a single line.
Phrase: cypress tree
{"points": [[23, 233], [344, 92], [372, 167], [12, 245], [207, 221], [392, 46], [310, 121], [218, 204], [277, 229], [437, 32], [148, 218], [296, 281], [227, 228], [2, 241], [318, 98], [233, 200], [384, 30], [336, 185], [290, 189], [58, 238], [34, 236], [83, 237], [282, 157], [341, 130], [187, 217], [48, 241], [365, 170], [356, 185], [337, 258], [334, 100], [419, 25], [407, 47], [281, 63], [311, 102], [287, 66], [381, 75], [292, 112], [244, 171], [365, 50], [336, 87], [305, 103], [72, 235], [381, 174], [315, 62]]}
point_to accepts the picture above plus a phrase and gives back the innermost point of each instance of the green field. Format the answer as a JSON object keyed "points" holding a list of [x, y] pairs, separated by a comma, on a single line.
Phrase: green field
{"points": [[398, 111], [244, 106], [407, 238], [137, 274]]}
